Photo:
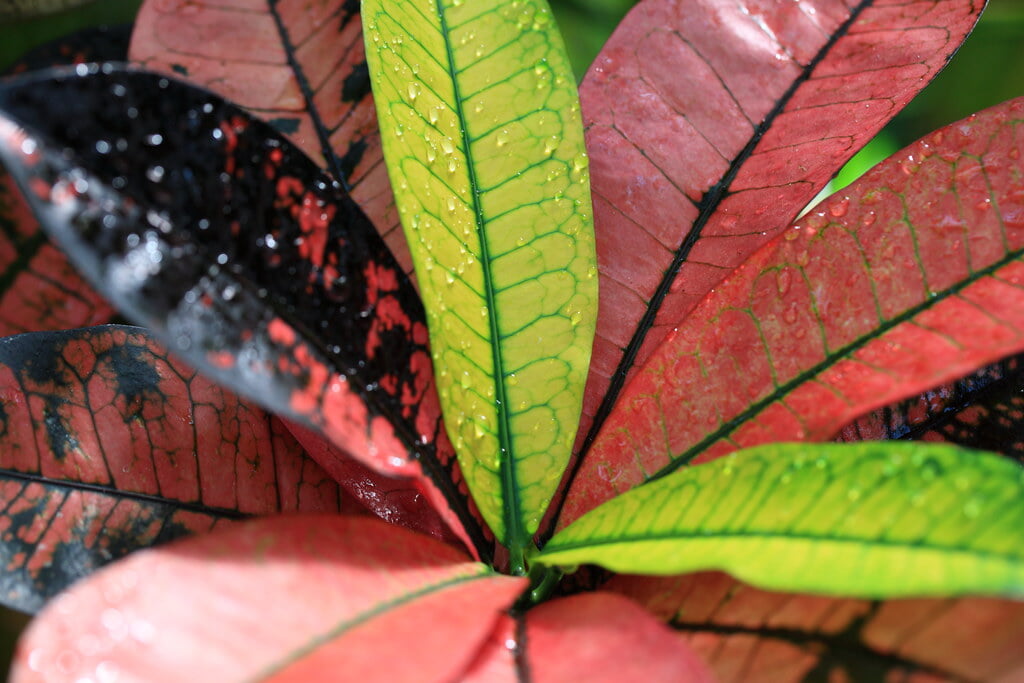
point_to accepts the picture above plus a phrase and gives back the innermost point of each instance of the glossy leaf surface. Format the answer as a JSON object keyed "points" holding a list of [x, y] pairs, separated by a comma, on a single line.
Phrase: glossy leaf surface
{"points": [[299, 66], [747, 634], [868, 520], [39, 290], [108, 445], [592, 637], [907, 279], [983, 410], [481, 132], [247, 260], [285, 598], [711, 124]]}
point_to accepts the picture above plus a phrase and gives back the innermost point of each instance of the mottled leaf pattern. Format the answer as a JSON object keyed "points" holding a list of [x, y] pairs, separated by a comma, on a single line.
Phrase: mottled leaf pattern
{"points": [[711, 124], [482, 137], [39, 290], [872, 520], [907, 279], [751, 635], [983, 410], [287, 598], [94, 44], [108, 445], [263, 274], [299, 66]]}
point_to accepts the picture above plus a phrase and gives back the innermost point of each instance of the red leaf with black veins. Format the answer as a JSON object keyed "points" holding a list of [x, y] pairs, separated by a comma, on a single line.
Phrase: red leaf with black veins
{"points": [[39, 290], [710, 125], [748, 635], [984, 410], [298, 65], [108, 445], [251, 263]]}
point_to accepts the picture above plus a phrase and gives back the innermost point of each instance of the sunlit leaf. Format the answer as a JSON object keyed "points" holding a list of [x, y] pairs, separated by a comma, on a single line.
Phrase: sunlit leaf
{"points": [[866, 520], [299, 66], [108, 445], [711, 125], [288, 598], [481, 132], [249, 262], [748, 635], [907, 279]]}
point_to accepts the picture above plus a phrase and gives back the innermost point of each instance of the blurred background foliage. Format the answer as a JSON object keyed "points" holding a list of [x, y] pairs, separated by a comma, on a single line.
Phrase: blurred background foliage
{"points": [[988, 69]]}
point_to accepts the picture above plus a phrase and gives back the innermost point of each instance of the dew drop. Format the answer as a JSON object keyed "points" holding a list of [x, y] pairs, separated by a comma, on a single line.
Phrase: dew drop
{"points": [[839, 208], [502, 138], [512, 380], [576, 318], [447, 146], [413, 90]]}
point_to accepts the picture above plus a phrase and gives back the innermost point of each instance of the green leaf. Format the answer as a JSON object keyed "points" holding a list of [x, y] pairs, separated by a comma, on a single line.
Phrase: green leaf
{"points": [[484, 146], [871, 520]]}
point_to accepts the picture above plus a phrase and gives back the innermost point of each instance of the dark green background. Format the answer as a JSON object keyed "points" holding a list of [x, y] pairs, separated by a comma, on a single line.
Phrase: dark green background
{"points": [[988, 69]]}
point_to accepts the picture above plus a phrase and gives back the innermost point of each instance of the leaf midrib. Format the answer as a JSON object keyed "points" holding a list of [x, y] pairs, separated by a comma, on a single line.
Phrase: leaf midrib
{"points": [[516, 537], [707, 206], [816, 539], [830, 360]]}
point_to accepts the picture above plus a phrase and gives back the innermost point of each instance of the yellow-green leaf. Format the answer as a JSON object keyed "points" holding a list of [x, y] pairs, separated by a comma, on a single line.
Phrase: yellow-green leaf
{"points": [[484, 146], [874, 520]]}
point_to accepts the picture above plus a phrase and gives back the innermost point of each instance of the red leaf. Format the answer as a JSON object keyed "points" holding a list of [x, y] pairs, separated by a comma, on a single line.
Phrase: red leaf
{"points": [[748, 634], [984, 410], [299, 66], [907, 280], [108, 445], [278, 598], [589, 637], [39, 289], [203, 224], [711, 124]]}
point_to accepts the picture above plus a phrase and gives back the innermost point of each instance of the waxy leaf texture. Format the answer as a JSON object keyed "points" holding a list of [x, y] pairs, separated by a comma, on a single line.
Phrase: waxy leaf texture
{"points": [[299, 66], [869, 520], [984, 410], [711, 124], [907, 279], [593, 637], [481, 132], [108, 445], [39, 289], [749, 635], [287, 598], [264, 274]]}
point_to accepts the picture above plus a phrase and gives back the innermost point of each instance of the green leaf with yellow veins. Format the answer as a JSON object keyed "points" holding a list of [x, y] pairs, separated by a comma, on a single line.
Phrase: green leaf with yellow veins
{"points": [[484, 146], [872, 520]]}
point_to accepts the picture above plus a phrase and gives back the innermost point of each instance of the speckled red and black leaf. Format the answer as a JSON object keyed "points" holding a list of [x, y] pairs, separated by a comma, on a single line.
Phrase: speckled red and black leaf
{"points": [[747, 634], [95, 44], [39, 290], [250, 262], [711, 124], [108, 445], [984, 410], [298, 65]]}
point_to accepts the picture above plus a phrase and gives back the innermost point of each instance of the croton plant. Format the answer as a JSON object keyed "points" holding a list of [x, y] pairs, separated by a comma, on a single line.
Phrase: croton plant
{"points": [[597, 430]]}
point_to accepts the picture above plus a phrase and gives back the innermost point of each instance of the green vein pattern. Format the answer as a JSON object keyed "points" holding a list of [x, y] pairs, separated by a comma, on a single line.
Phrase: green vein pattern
{"points": [[873, 520], [484, 145]]}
